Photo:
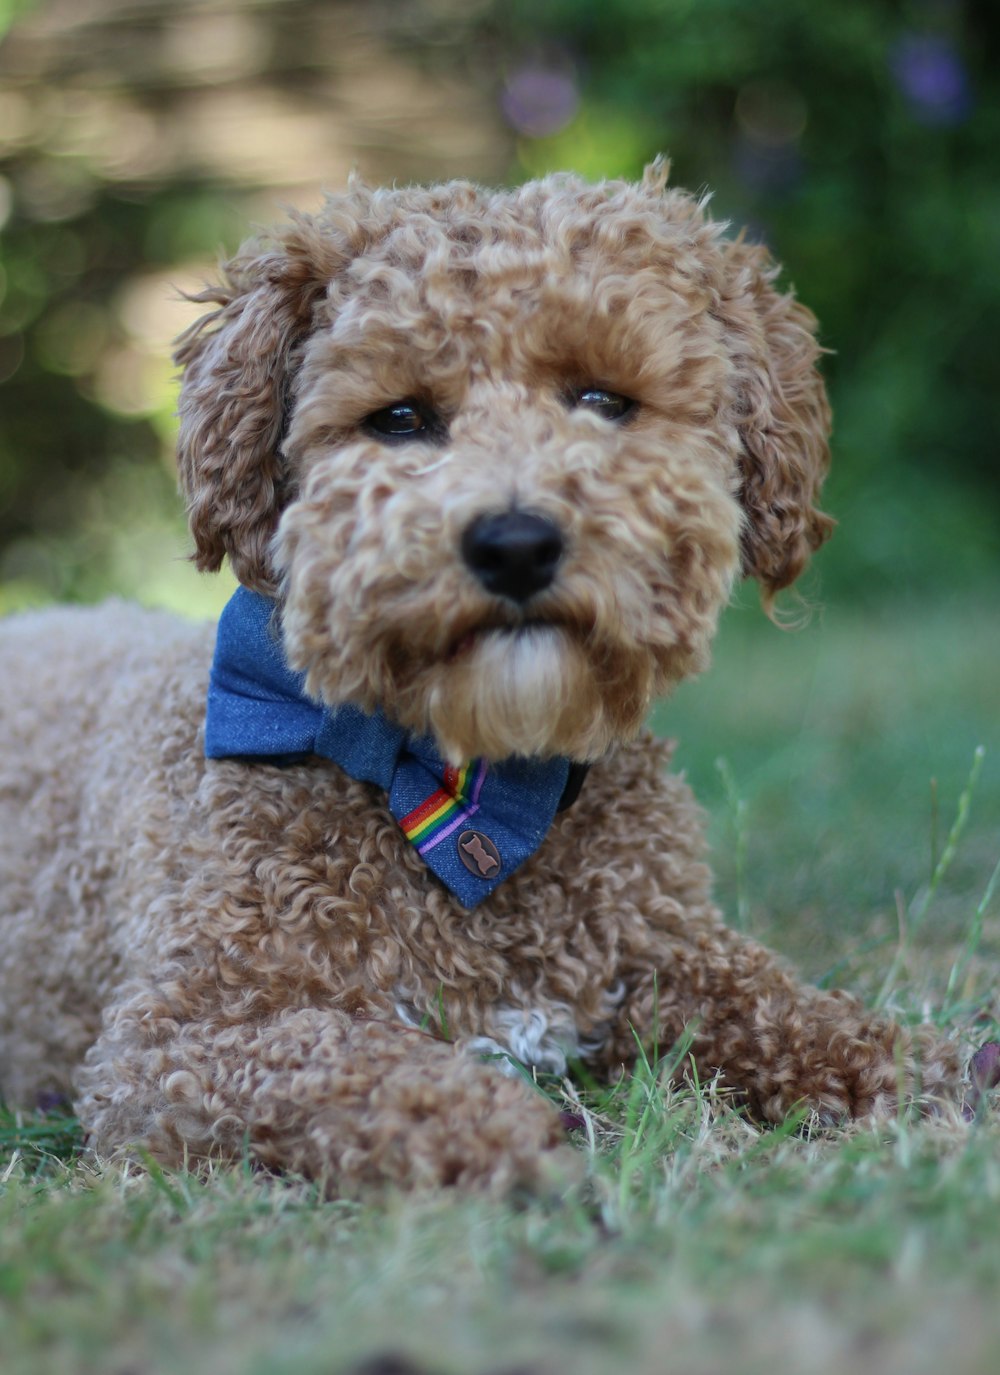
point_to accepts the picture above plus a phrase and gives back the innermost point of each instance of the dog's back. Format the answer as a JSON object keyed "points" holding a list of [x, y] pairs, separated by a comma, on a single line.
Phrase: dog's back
{"points": [[81, 698]]}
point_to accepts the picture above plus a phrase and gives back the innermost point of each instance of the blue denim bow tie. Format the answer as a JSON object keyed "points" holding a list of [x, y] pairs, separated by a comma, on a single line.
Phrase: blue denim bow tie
{"points": [[472, 826]]}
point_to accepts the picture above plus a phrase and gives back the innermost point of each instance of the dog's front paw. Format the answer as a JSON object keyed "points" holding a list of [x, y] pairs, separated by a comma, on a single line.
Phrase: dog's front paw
{"points": [[984, 1075]]}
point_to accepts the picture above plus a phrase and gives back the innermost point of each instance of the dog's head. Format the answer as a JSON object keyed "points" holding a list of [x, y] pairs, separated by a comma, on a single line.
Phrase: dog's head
{"points": [[502, 454]]}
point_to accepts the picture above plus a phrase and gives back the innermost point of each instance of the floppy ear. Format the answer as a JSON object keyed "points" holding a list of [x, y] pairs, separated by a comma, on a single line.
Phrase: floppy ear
{"points": [[237, 361], [782, 415]]}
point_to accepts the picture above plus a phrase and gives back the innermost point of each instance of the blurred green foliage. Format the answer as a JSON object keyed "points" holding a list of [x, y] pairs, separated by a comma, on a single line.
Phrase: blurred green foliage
{"points": [[79, 458], [139, 139], [858, 139]]}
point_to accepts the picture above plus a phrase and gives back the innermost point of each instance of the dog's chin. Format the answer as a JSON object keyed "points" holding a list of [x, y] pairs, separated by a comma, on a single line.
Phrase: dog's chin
{"points": [[530, 691]]}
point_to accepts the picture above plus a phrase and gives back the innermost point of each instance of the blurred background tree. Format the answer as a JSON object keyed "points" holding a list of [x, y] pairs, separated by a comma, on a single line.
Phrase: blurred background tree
{"points": [[138, 140], [140, 137], [860, 140]]}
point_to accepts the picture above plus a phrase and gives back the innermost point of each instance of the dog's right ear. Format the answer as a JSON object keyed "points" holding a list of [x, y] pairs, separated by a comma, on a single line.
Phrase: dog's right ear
{"points": [[237, 361], [782, 416]]}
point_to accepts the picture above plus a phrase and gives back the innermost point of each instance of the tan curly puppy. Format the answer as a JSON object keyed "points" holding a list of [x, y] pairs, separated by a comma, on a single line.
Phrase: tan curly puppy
{"points": [[487, 465]]}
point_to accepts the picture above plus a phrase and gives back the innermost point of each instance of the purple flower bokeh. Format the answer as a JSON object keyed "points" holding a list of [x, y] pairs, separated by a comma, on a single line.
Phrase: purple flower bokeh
{"points": [[538, 101], [929, 72]]}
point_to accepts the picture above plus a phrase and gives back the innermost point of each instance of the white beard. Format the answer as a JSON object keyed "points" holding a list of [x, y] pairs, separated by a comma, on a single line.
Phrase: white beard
{"points": [[527, 692]]}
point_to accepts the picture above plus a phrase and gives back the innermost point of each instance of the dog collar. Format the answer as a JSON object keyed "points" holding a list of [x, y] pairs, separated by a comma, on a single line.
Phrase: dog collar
{"points": [[472, 826]]}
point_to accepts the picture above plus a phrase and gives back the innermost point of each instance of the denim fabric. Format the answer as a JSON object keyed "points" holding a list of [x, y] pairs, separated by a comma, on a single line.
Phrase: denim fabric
{"points": [[258, 711]]}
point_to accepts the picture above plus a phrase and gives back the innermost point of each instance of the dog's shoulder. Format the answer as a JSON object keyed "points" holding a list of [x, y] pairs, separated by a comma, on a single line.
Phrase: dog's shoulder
{"points": [[635, 781], [635, 819]]}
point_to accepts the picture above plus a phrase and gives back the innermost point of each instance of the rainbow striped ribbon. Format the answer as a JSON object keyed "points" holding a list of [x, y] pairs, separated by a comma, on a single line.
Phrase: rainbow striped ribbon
{"points": [[259, 712], [447, 808]]}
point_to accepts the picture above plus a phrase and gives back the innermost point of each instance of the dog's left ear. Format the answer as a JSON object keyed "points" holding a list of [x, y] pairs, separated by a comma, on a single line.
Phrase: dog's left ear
{"points": [[237, 361], [782, 415]]}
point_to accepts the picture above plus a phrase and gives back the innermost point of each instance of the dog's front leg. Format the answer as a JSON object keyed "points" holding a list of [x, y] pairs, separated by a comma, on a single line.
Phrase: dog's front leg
{"points": [[347, 1101], [778, 1043]]}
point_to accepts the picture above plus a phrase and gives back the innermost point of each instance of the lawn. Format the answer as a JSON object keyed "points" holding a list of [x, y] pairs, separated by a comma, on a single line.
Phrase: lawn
{"points": [[854, 826]]}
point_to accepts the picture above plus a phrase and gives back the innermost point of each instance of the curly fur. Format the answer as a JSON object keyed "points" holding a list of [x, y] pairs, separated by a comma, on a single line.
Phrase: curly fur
{"points": [[209, 954]]}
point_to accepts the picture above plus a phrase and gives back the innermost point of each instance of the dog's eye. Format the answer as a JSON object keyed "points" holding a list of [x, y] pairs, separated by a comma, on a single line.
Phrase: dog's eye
{"points": [[403, 420], [608, 404]]}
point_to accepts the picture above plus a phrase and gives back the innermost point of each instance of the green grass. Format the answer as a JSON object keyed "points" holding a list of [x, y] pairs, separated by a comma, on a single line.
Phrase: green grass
{"points": [[693, 1235], [846, 748], [694, 1243]]}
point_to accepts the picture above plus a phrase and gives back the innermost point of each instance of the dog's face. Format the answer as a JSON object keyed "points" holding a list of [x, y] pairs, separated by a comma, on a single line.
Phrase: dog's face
{"points": [[502, 454]]}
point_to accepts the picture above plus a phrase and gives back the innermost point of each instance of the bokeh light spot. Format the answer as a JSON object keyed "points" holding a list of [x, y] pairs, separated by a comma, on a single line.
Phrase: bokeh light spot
{"points": [[539, 100]]}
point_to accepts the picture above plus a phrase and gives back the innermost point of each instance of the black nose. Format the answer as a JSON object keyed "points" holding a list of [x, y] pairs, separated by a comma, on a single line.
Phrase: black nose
{"points": [[514, 554]]}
